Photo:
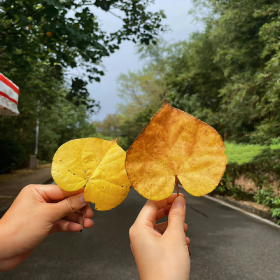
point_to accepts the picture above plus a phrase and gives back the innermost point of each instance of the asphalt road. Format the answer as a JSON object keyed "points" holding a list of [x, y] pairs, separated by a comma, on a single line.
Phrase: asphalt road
{"points": [[225, 244]]}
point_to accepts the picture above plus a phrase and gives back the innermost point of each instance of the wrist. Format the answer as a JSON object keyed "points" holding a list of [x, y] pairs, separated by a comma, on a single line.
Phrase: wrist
{"points": [[5, 256], [11, 254]]}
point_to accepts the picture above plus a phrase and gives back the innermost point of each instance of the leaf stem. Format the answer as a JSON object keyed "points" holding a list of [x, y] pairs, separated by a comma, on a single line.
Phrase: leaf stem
{"points": [[176, 182], [190, 253], [84, 217]]}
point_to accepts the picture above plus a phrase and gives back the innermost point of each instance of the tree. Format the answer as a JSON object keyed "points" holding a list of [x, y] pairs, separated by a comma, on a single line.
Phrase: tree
{"points": [[67, 34], [139, 91], [109, 126], [244, 36]]}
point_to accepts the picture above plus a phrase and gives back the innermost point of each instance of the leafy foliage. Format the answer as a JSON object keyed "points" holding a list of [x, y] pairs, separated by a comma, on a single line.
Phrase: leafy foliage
{"points": [[68, 34], [236, 192], [269, 199]]}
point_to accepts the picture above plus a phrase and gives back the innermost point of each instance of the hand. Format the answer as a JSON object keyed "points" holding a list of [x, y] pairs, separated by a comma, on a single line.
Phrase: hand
{"points": [[161, 250], [39, 210]]}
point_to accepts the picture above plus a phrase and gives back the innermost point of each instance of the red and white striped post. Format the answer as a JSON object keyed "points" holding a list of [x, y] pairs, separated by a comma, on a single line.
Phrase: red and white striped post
{"points": [[9, 93]]}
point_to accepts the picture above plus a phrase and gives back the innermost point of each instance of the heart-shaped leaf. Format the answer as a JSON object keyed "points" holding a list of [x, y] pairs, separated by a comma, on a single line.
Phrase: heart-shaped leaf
{"points": [[175, 143], [96, 164]]}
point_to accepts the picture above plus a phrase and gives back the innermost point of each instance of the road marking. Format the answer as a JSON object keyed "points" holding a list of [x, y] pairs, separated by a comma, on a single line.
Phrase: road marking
{"points": [[243, 211]]}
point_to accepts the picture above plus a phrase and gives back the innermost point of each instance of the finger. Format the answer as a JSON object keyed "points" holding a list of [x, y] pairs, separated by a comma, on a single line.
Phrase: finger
{"points": [[88, 223], [65, 226], [163, 212], [67, 206], [168, 201], [161, 228], [188, 241], [89, 212], [77, 218], [150, 209], [54, 192], [68, 226], [176, 218]]}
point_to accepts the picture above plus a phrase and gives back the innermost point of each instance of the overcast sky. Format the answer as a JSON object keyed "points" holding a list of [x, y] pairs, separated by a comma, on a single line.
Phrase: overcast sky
{"points": [[125, 59]]}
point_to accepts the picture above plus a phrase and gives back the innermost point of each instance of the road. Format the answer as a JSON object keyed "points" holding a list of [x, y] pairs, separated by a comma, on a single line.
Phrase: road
{"points": [[225, 244]]}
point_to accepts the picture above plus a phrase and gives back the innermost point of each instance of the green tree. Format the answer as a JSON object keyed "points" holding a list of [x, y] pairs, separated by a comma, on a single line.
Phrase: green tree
{"points": [[109, 126], [60, 119], [247, 52], [67, 33]]}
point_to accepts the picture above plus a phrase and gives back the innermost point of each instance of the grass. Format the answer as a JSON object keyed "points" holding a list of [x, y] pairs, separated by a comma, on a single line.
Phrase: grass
{"points": [[241, 153]]}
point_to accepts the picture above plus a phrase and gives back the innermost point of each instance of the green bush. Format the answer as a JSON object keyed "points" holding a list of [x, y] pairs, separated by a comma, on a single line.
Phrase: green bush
{"points": [[13, 156], [235, 192], [269, 199], [265, 197], [275, 210], [255, 161]]}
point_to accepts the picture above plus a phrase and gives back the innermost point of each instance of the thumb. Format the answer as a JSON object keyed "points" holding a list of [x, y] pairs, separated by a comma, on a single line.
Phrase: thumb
{"points": [[176, 217], [67, 206]]}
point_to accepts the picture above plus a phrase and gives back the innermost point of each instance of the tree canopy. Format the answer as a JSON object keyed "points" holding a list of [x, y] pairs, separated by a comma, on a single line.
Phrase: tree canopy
{"points": [[67, 33]]}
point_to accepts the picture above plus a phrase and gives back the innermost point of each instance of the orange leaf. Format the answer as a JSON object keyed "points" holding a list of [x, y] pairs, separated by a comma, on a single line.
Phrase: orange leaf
{"points": [[175, 143]]}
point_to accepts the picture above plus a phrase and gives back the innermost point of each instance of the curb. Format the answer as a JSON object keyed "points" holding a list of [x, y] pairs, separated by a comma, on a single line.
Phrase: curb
{"points": [[249, 210], [5, 208]]}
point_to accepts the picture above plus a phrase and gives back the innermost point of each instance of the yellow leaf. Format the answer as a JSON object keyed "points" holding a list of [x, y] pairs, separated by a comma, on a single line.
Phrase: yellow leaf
{"points": [[175, 143], [97, 165]]}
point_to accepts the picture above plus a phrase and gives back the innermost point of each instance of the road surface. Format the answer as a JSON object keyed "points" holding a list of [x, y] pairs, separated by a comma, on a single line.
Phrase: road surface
{"points": [[225, 244]]}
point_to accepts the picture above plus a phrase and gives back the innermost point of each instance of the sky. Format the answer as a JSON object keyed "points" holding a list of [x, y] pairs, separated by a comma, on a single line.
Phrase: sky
{"points": [[125, 59]]}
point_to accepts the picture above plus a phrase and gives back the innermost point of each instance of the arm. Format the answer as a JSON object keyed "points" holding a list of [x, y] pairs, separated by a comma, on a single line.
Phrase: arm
{"points": [[161, 250]]}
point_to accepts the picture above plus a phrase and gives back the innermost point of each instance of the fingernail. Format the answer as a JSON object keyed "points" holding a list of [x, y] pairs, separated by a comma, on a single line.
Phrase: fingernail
{"points": [[82, 198], [182, 195], [179, 201]]}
